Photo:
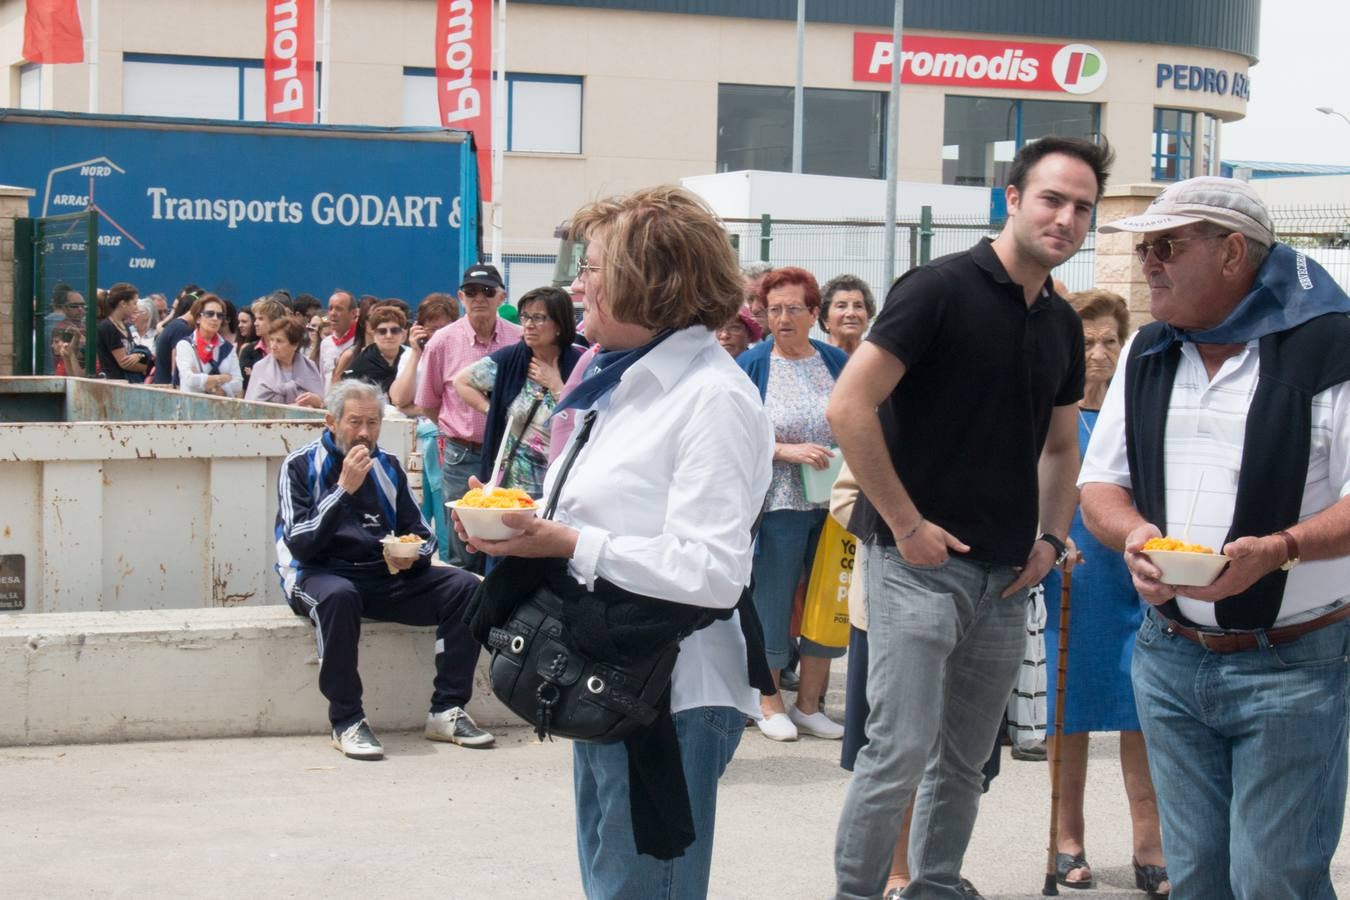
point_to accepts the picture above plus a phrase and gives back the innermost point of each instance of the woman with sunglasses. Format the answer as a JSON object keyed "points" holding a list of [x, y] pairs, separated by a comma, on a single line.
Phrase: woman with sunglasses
{"points": [[377, 362], [206, 363], [519, 386]]}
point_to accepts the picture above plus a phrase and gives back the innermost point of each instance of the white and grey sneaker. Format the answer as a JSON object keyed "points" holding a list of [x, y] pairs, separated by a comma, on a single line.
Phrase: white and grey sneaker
{"points": [[457, 727], [359, 742]]}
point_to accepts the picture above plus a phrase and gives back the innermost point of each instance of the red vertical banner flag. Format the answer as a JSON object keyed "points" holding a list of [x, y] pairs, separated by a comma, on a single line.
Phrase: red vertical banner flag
{"points": [[288, 65], [464, 76], [51, 32]]}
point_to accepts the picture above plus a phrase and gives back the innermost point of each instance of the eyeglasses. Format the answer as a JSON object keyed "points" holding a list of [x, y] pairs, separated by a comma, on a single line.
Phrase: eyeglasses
{"points": [[475, 290], [389, 330], [776, 311], [584, 268], [311, 328], [212, 314], [534, 320], [1162, 247]]}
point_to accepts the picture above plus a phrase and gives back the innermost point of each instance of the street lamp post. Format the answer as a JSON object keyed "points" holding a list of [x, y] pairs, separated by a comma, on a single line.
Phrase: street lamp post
{"points": [[1328, 111]]}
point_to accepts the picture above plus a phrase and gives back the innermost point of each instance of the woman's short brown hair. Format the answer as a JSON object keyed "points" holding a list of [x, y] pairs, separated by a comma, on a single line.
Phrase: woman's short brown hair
{"points": [[294, 331], [789, 276], [1095, 303], [390, 313], [437, 304], [667, 260]]}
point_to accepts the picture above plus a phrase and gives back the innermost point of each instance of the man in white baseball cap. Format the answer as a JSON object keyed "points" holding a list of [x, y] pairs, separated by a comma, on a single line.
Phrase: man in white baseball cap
{"points": [[1235, 404]]}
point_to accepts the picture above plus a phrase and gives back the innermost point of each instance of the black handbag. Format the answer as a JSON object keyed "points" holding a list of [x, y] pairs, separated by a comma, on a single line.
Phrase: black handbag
{"points": [[585, 665]]}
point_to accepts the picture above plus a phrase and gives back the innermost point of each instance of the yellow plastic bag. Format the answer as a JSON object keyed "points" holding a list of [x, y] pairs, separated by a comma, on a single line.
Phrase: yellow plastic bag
{"points": [[825, 616]]}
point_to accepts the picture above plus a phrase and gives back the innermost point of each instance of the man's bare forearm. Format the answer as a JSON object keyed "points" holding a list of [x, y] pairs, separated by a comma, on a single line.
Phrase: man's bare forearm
{"points": [[1109, 513], [1058, 476], [858, 430]]}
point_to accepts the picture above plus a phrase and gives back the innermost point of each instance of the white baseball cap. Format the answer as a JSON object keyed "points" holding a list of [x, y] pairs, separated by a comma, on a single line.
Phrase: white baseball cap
{"points": [[1225, 202]]}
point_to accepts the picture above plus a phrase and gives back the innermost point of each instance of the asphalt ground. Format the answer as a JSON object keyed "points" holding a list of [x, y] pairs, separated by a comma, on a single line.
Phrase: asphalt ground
{"points": [[291, 817]]}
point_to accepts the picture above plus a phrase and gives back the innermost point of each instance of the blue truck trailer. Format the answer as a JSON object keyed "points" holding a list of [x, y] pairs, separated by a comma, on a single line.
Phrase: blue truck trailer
{"points": [[242, 209]]}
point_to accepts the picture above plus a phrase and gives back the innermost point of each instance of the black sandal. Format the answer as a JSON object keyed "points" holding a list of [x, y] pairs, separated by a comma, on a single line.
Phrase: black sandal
{"points": [[1149, 878], [1066, 863]]}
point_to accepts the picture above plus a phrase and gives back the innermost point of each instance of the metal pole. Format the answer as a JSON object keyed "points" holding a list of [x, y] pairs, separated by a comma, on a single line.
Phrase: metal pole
{"points": [[765, 236], [798, 90], [325, 63], [893, 144], [498, 131], [91, 54]]}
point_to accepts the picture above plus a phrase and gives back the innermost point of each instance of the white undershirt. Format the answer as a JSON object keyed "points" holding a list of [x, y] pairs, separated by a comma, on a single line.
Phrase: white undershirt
{"points": [[1206, 428]]}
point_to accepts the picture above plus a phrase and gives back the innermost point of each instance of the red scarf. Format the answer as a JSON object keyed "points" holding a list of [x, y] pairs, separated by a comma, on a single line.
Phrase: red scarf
{"points": [[206, 352], [346, 338]]}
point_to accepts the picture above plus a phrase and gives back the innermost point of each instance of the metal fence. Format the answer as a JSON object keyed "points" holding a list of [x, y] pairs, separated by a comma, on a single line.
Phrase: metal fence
{"points": [[830, 248]]}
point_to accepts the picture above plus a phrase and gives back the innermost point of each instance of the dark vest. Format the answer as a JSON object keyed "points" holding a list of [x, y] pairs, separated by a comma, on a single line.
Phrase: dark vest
{"points": [[1295, 366]]}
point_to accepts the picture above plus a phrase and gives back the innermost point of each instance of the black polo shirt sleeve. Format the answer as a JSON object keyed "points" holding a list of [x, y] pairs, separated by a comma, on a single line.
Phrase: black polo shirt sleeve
{"points": [[1071, 390], [911, 319]]}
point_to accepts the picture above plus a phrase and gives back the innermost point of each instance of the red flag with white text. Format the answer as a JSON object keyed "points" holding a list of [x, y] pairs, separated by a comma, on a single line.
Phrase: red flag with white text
{"points": [[288, 65], [464, 76], [52, 33]]}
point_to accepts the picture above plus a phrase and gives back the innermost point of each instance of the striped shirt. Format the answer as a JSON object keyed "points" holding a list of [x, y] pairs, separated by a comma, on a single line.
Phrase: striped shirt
{"points": [[1206, 428]]}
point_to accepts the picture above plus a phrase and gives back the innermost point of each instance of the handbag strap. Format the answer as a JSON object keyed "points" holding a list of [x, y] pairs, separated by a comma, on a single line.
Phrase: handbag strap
{"points": [[578, 441]]}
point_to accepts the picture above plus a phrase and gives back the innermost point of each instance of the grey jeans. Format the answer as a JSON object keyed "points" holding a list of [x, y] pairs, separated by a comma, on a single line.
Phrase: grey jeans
{"points": [[944, 649]]}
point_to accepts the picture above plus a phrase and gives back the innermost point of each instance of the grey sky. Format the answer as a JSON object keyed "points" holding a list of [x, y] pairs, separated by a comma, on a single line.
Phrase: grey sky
{"points": [[1305, 63]]}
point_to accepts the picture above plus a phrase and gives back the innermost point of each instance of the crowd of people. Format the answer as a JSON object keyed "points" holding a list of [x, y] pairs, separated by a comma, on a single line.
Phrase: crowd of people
{"points": [[970, 416]]}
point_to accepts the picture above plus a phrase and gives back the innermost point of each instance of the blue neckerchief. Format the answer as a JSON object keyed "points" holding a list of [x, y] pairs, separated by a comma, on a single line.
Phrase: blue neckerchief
{"points": [[604, 373], [1289, 289]]}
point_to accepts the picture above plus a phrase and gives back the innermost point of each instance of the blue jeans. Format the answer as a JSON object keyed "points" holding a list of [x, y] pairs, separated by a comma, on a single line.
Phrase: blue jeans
{"points": [[611, 867], [943, 653], [787, 547], [456, 467], [1248, 755]]}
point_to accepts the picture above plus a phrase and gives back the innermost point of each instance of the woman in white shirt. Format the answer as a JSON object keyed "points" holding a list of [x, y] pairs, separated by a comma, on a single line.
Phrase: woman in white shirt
{"points": [[661, 502], [206, 362]]}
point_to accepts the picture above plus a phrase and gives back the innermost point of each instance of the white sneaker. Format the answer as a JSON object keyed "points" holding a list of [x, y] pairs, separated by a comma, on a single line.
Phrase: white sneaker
{"points": [[359, 742], [817, 724], [777, 727], [455, 726]]}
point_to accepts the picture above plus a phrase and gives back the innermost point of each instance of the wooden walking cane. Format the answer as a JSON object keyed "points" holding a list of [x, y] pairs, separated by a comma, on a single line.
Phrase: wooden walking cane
{"points": [[1051, 888]]}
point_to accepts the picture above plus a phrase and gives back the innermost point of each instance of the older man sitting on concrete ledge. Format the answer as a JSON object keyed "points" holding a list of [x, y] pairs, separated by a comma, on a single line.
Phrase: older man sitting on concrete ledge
{"points": [[338, 497]]}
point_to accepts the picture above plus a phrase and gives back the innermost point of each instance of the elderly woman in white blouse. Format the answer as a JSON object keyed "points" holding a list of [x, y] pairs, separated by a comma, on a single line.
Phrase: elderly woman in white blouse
{"points": [[205, 361]]}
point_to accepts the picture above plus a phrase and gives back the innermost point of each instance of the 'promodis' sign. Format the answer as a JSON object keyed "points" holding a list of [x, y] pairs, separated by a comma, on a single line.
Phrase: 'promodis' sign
{"points": [[1066, 68], [288, 65], [464, 75]]}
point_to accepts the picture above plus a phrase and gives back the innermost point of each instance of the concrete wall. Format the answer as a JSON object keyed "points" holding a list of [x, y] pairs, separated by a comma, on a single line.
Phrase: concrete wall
{"points": [[169, 674], [161, 513], [649, 92], [13, 205]]}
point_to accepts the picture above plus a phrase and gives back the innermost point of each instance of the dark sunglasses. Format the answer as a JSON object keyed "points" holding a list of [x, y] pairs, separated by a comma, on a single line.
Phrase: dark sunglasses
{"points": [[1162, 247], [388, 330], [212, 314], [474, 290]]}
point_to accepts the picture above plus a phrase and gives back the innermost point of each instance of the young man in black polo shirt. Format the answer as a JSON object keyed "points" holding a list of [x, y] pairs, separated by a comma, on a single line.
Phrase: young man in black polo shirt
{"points": [[957, 416]]}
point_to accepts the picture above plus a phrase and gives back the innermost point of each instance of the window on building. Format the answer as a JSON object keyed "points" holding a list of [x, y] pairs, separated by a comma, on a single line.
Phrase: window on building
{"points": [[1173, 144], [543, 112], [843, 131], [30, 87], [981, 135], [1209, 145], [194, 87]]}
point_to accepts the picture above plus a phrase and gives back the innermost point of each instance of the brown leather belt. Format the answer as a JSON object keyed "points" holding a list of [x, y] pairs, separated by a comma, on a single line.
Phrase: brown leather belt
{"points": [[475, 446], [1237, 641]]}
